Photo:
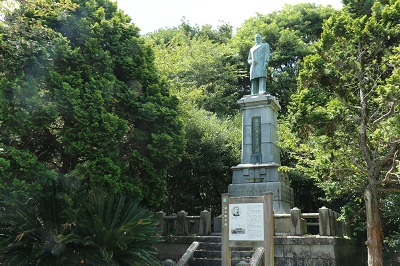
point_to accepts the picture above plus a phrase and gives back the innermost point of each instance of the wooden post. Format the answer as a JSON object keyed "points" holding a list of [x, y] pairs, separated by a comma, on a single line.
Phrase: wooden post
{"points": [[160, 216], [205, 223], [225, 249], [268, 229], [181, 225]]}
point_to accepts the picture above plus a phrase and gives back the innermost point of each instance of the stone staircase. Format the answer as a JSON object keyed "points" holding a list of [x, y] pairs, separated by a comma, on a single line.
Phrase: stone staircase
{"points": [[208, 253]]}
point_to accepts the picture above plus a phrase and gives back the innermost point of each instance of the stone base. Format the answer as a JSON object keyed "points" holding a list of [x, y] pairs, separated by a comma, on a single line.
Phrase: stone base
{"points": [[283, 194], [257, 173], [265, 107]]}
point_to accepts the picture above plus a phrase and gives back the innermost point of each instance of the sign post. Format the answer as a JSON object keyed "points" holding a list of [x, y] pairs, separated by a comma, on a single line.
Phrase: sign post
{"points": [[247, 222]]}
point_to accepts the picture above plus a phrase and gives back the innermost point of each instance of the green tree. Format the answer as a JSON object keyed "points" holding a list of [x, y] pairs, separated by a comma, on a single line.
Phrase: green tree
{"points": [[213, 147], [80, 95], [200, 67], [344, 121], [202, 71]]}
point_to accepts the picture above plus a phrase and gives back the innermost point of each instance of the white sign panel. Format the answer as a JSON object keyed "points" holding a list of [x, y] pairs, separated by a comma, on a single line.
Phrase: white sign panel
{"points": [[246, 222]]}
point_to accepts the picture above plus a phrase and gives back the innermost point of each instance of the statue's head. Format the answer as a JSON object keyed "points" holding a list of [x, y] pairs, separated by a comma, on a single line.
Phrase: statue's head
{"points": [[258, 38]]}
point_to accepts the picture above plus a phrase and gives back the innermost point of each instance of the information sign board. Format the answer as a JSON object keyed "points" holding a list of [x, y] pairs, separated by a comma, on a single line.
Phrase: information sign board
{"points": [[246, 222]]}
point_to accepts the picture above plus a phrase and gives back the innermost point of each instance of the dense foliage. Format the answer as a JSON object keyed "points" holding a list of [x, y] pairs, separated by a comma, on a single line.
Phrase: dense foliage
{"points": [[200, 67], [80, 95], [344, 119], [84, 97], [63, 226], [202, 72], [204, 173]]}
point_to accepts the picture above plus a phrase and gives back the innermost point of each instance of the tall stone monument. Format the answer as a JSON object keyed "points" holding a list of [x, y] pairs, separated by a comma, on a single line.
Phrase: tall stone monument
{"points": [[258, 171]]}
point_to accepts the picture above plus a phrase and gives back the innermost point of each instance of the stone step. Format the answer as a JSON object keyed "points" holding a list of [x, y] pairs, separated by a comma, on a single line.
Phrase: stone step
{"points": [[207, 254], [209, 246], [205, 262], [212, 262], [245, 254], [217, 246], [217, 254], [212, 239], [191, 239]]}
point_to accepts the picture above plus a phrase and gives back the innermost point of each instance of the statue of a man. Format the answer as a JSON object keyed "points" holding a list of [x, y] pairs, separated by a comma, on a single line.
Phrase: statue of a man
{"points": [[258, 60]]}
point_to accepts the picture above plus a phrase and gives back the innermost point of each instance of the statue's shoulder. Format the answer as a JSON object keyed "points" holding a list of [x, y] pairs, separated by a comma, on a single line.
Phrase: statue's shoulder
{"points": [[257, 46], [265, 45]]}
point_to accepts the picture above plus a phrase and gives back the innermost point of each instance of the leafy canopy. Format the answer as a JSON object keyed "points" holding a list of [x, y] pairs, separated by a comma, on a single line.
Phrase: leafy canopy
{"points": [[80, 95]]}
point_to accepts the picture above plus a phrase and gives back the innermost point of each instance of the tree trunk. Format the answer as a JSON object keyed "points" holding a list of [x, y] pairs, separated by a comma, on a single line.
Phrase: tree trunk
{"points": [[374, 227]]}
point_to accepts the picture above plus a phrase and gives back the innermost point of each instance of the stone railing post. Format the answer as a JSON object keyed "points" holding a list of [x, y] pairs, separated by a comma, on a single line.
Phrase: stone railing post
{"points": [[325, 222], [168, 262], [160, 216], [217, 224], [172, 224], [344, 229], [339, 227], [295, 217], [332, 219], [205, 223], [181, 224]]}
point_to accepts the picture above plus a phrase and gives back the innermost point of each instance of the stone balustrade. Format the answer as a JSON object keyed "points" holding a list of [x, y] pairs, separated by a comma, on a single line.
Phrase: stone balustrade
{"points": [[324, 223], [182, 224]]}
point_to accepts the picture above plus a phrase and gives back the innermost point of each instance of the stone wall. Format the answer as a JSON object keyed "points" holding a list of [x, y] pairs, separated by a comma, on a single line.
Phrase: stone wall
{"points": [[313, 251], [173, 247], [288, 250]]}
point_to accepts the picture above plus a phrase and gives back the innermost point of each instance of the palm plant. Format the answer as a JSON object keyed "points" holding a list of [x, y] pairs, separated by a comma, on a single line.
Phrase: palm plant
{"points": [[31, 230], [113, 230], [64, 227]]}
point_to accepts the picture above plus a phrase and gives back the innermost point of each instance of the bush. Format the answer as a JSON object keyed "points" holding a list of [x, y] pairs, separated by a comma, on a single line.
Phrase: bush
{"points": [[68, 227]]}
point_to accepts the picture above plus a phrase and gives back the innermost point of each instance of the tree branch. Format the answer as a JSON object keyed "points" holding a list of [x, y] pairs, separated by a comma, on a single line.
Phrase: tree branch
{"points": [[346, 103], [389, 190], [389, 113], [363, 139], [391, 155], [390, 181]]}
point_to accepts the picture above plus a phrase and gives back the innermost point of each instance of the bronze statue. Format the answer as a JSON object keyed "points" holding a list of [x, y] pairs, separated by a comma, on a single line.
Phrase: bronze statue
{"points": [[258, 60]]}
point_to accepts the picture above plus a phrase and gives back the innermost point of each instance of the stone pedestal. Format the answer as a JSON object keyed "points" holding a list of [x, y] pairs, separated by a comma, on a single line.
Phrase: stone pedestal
{"points": [[258, 171]]}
